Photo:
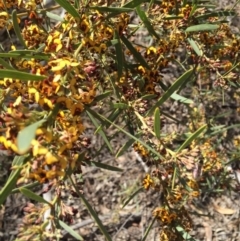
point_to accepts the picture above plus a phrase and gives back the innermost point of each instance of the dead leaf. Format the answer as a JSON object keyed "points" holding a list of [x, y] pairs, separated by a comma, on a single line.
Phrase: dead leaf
{"points": [[223, 210]]}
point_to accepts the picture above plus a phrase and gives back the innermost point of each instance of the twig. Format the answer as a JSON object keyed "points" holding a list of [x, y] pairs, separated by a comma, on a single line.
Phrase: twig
{"points": [[114, 238]]}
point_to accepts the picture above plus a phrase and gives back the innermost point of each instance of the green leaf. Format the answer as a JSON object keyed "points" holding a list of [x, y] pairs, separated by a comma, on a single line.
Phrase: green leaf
{"points": [[157, 123], [225, 129], [12, 180], [202, 27], [113, 42], [181, 99], [181, 80], [102, 96], [132, 196], [186, 236], [119, 55], [125, 147], [30, 185], [195, 47], [70, 230], [26, 136], [113, 116], [119, 105], [92, 212], [101, 132], [103, 166], [149, 97], [134, 52], [192, 138], [111, 9], [54, 16], [31, 195], [68, 7], [134, 3], [17, 28], [14, 74], [27, 54], [129, 5], [216, 14], [148, 229], [6, 64], [146, 22], [128, 134]]}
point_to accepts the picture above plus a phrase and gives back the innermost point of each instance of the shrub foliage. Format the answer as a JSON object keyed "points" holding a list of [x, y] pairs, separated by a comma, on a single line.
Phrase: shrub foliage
{"points": [[63, 68]]}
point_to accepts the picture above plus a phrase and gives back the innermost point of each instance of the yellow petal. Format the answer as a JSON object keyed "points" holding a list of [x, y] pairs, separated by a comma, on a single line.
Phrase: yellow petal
{"points": [[18, 101], [50, 159], [37, 96]]}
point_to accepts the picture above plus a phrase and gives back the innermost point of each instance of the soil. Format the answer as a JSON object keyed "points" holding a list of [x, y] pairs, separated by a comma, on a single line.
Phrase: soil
{"points": [[216, 217]]}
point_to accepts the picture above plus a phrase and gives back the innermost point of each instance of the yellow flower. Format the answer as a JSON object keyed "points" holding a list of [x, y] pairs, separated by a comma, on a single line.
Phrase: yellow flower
{"points": [[85, 26], [151, 50], [148, 182], [54, 42], [53, 174], [59, 64], [37, 149], [50, 158], [164, 215], [46, 102]]}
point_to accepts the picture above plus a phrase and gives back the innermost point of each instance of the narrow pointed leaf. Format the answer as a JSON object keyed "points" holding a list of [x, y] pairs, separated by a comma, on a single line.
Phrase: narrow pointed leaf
{"points": [[120, 105], [146, 22], [182, 79], [104, 166], [26, 136], [111, 9], [195, 47], [216, 14], [134, 3], [125, 147], [12, 180], [181, 99], [28, 54], [69, 8], [148, 229], [130, 5], [70, 230], [31, 195], [93, 213], [103, 96], [135, 53], [17, 28], [132, 196], [202, 27], [14, 74], [113, 116], [224, 129], [157, 123], [28, 186], [149, 97], [5, 64], [192, 138], [101, 132], [54, 16]]}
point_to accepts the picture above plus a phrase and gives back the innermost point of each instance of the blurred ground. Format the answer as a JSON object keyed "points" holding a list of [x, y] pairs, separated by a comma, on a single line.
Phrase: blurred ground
{"points": [[215, 217]]}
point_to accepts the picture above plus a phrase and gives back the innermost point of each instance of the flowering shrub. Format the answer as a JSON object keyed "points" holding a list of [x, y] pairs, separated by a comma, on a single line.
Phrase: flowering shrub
{"points": [[60, 70]]}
